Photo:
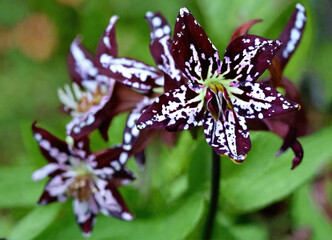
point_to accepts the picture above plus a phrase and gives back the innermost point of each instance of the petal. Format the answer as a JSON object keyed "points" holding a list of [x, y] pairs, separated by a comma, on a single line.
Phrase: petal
{"points": [[292, 34], [107, 161], [228, 137], [52, 148], [133, 73], [57, 187], [82, 65], [103, 129], [192, 50], [85, 217], [44, 171], [83, 124], [122, 177], [160, 48], [247, 57], [175, 110], [259, 100], [131, 132], [46, 198], [244, 28], [107, 43], [111, 203]]}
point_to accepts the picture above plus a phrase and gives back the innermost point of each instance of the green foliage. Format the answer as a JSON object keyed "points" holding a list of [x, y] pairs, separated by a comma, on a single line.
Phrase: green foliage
{"points": [[35, 222], [306, 213], [263, 179]]}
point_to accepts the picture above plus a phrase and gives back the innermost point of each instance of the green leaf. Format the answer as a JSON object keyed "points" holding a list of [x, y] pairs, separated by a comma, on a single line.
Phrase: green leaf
{"points": [[305, 213], [200, 167], [225, 229], [223, 17], [175, 224], [263, 179], [35, 222], [16, 187]]}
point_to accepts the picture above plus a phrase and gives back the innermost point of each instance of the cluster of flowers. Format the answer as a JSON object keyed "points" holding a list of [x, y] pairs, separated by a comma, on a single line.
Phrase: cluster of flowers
{"points": [[189, 87]]}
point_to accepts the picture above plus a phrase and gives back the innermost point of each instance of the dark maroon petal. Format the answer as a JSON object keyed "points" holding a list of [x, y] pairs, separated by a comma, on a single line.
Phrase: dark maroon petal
{"points": [[110, 157], [85, 213], [112, 204], [133, 73], [103, 129], [247, 57], [160, 48], [52, 148], [228, 136], [131, 132], [107, 43], [292, 34], [82, 65], [122, 177], [259, 100], [244, 28], [298, 150], [175, 110], [160, 44], [46, 198], [192, 50], [87, 226], [124, 99]]}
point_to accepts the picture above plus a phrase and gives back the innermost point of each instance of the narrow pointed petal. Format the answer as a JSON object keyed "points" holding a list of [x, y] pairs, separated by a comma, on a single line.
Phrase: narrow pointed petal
{"points": [[131, 132], [228, 137], [161, 48], [82, 125], [109, 158], [259, 100], [247, 57], [52, 148], [292, 34], [107, 43], [192, 50], [244, 28], [122, 177], [45, 171], [111, 203], [46, 198], [82, 65], [103, 129], [132, 73], [85, 217], [175, 110]]}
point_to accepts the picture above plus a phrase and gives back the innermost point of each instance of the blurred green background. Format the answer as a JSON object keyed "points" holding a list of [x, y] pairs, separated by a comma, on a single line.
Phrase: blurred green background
{"points": [[260, 199]]}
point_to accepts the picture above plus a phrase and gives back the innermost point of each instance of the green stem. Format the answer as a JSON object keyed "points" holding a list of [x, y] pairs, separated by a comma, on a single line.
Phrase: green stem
{"points": [[214, 196]]}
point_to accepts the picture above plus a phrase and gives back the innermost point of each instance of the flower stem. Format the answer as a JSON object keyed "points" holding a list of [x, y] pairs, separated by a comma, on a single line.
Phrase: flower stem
{"points": [[214, 196]]}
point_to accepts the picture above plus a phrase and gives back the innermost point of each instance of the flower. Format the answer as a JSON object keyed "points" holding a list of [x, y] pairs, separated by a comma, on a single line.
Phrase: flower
{"points": [[96, 97], [218, 95], [91, 179], [294, 124]]}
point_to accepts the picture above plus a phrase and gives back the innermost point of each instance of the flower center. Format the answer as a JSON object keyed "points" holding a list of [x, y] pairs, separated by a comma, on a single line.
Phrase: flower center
{"points": [[90, 99], [82, 187], [218, 99]]}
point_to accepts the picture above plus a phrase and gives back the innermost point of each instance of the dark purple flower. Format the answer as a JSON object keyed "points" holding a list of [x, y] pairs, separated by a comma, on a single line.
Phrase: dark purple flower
{"points": [[95, 97], [294, 124], [218, 95], [92, 179], [135, 141]]}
